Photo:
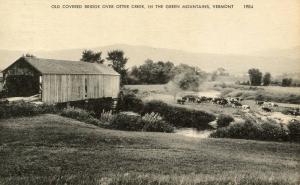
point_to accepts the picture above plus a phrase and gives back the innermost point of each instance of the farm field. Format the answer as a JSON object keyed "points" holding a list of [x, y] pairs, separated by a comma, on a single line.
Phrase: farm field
{"points": [[163, 93], [50, 149], [287, 95]]}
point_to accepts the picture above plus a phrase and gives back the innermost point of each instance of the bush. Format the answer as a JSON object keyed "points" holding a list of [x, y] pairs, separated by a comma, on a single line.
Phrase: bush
{"points": [[224, 120], [80, 115], [130, 102], [273, 131], [20, 109], [266, 131], [106, 117], [178, 116], [294, 128], [239, 130], [153, 122], [127, 121], [96, 106]]}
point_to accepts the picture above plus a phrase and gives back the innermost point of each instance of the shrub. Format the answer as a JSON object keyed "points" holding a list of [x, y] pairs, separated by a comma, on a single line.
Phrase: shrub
{"points": [[178, 116], [153, 122], [80, 115], [20, 109], [294, 128], [224, 120], [266, 131], [130, 102], [94, 106], [106, 117], [273, 131], [127, 121], [239, 130]]}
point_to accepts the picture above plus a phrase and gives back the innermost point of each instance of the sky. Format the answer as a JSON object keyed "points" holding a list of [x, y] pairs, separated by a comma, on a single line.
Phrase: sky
{"points": [[34, 25]]}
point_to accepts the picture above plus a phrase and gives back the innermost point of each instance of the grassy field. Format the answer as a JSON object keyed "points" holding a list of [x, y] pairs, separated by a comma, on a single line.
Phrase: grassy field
{"points": [[269, 93], [50, 149], [266, 93]]}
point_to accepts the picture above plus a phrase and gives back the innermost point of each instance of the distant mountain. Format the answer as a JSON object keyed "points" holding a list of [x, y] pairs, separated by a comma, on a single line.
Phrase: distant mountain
{"points": [[236, 64], [293, 53]]}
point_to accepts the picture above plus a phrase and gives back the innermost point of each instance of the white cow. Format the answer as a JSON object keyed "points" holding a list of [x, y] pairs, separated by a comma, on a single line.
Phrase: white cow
{"points": [[246, 107]]}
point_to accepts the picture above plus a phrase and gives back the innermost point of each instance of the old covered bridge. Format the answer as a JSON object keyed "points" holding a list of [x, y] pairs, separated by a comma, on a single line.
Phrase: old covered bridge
{"points": [[59, 80]]}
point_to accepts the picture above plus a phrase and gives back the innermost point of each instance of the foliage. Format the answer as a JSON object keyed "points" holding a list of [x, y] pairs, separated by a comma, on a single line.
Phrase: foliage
{"points": [[267, 79], [224, 120], [129, 102], [96, 106], [286, 82], [30, 55], [118, 62], [107, 117], [266, 130], [179, 116], [129, 121], [184, 68], [239, 130], [90, 56], [188, 77], [80, 115], [273, 131], [294, 128], [189, 81], [153, 72], [21, 109], [153, 122], [255, 76]]}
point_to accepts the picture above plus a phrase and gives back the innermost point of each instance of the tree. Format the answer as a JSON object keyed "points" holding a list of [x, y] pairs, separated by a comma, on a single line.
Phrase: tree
{"points": [[255, 77], [29, 55], [222, 72], [118, 62], [188, 81], [267, 79], [90, 56], [153, 72], [189, 77], [286, 82]]}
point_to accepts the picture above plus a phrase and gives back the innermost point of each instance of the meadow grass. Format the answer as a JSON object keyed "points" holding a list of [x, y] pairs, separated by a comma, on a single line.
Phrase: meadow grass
{"points": [[50, 149], [263, 93]]}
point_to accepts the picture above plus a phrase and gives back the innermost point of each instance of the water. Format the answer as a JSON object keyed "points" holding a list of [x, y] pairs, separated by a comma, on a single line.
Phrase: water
{"points": [[211, 94], [192, 132]]}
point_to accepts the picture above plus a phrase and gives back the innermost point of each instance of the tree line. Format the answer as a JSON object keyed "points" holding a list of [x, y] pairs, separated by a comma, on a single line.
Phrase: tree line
{"points": [[256, 78], [161, 72], [151, 72]]}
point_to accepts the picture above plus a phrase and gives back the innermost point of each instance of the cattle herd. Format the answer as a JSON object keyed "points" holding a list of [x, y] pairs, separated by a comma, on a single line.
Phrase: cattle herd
{"points": [[232, 102]]}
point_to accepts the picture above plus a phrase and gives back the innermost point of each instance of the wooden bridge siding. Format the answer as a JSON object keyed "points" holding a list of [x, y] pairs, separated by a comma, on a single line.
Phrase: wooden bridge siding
{"points": [[64, 88]]}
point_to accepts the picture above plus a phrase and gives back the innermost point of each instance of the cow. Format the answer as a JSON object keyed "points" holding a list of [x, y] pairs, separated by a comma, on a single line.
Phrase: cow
{"points": [[266, 109], [222, 102], [294, 112], [181, 101], [260, 103], [190, 98], [236, 104], [198, 100], [209, 99], [246, 107]]}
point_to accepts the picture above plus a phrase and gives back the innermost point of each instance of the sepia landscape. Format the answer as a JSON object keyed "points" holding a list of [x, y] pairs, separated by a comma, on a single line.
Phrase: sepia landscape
{"points": [[167, 124], [149, 96]]}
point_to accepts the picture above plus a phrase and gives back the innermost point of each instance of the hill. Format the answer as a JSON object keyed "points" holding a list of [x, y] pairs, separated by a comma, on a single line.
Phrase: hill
{"points": [[50, 149], [236, 64]]}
